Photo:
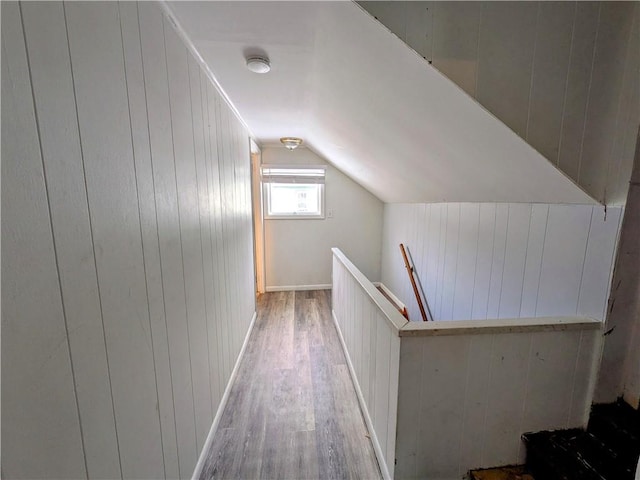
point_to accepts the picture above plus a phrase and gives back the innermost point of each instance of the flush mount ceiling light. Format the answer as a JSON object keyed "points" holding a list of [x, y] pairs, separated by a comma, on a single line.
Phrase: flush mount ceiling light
{"points": [[258, 64], [291, 142]]}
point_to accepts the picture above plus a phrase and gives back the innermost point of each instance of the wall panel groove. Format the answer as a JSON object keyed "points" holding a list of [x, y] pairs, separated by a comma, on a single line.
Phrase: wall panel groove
{"points": [[124, 301], [479, 261]]}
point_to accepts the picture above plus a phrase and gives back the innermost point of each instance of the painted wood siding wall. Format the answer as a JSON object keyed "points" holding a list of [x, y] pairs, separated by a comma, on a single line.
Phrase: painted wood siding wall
{"points": [[563, 75], [127, 264], [465, 400], [479, 261], [372, 346]]}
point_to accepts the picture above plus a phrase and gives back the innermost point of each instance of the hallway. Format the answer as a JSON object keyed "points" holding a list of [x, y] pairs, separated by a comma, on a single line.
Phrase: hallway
{"points": [[293, 411]]}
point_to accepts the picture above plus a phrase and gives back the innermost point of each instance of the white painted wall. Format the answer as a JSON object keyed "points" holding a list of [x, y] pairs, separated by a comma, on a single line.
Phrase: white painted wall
{"points": [[127, 264], [465, 400], [368, 326], [298, 252], [458, 395], [478, 261], [563, 75], [368, 104]]}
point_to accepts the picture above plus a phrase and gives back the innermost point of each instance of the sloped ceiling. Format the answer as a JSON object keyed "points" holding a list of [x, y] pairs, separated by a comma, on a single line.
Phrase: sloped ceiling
{"points": [[366, 102]]}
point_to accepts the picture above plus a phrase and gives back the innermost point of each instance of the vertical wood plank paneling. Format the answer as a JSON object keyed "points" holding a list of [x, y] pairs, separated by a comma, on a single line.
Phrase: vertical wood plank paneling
{"points": [[357, 333], [532, 64], [231, 142], [223, 132], [416, 234], [578, 81], [431, 286], [533, 260], [549, 76], [563, 259], [237, 211], [551, 369], [160, 133], [424, 273], [403, 285], [374, 365], [204, 193], [33, 323], [484, 260], [148, 217], [189, 217], [438, 257], [443, 379], [367, 311], [408, 427], [596, 273], [466, 261], [509, 367], [606, 84], [514, 260], [112, 214], [478, 393], [450, 261], [630, 105], [46, 36], [98, 65], [455, 41], [383, 365], [217, 243], [475, 401], [480, 261], [498, 259], [392, 416], [587, 364], [419, 28], [505, 61]]}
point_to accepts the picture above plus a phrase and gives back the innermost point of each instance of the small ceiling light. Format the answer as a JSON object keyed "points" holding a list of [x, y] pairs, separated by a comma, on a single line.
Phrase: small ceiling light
{"points": [[258, 64], [291, 142]]}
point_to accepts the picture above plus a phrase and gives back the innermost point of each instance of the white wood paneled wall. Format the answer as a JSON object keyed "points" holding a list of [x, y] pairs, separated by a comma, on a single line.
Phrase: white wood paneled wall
{"points": [[465, 400], [372, 347], [563, 75], [440, 401], [127, 259], [479, 261]]}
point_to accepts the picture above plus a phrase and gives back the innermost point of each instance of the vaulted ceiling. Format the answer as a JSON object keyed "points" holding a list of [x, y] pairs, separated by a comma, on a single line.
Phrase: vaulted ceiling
{"points": [[367, 103]]}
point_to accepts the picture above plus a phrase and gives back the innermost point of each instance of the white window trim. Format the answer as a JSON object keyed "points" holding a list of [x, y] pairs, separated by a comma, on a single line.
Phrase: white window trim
{"points": [[319, 180]]}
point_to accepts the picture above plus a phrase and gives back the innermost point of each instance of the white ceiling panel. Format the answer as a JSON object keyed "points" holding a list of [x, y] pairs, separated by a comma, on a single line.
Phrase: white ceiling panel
{"points": [[366, 102]]}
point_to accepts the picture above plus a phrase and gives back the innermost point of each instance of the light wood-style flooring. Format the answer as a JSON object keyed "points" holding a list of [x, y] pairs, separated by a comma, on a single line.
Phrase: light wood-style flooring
{"points": [[292, 411]]}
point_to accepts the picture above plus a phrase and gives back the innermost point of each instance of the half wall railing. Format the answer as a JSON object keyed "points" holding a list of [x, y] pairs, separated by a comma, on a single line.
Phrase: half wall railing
{"points": [[442, 397]]}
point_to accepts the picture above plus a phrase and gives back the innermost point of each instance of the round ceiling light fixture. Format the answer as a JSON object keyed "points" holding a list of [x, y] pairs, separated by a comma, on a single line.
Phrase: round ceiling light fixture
{"points": [[291, 142], [258, 64]]}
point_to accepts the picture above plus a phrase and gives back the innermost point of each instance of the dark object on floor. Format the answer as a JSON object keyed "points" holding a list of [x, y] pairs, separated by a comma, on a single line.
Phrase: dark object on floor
{"points": [[607, 450], [502, 473]]}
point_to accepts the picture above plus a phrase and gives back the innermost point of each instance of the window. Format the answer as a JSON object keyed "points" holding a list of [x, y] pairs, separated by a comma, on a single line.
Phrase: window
{"points": [[293, 192]]}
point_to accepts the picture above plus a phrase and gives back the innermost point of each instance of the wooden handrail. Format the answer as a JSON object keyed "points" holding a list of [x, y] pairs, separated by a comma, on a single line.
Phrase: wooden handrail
{"points": [[411, 272]]}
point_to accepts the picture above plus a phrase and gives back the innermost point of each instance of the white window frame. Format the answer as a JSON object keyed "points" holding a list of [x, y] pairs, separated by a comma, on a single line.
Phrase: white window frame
{"points": [[293, 174]]}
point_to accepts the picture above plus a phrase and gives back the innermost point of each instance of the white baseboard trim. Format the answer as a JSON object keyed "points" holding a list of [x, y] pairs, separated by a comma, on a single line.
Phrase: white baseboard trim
{"points": [[391, 294], [365, 412], [288, 288], [223, 403]]}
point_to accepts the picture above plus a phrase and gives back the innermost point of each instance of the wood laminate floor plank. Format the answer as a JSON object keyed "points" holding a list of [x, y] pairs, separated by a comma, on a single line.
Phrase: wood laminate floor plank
{"points": [[292, 411]]}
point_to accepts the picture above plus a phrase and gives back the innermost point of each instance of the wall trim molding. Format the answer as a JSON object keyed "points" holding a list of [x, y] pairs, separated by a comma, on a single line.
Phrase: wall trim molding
{"points": [[223, 403], [363, 405], [288, 288]]}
